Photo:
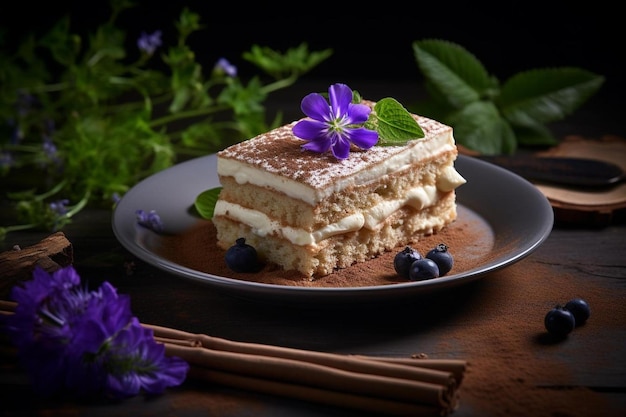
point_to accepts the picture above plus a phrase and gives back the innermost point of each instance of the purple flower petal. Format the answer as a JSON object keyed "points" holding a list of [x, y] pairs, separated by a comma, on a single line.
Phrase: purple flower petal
{"points": [[340, 96], [358, 113], [316, 107], [363, 138]]}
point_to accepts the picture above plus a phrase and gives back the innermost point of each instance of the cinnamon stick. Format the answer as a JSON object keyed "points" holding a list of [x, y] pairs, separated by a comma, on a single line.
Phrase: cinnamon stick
{"points": [[345, 362], [369, 404], [455, 366], [314, 375], [51, 253]]}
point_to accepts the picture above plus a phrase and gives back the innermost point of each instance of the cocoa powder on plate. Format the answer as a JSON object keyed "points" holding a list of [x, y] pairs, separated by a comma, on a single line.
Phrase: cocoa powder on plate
{"points": [[470, 240]]}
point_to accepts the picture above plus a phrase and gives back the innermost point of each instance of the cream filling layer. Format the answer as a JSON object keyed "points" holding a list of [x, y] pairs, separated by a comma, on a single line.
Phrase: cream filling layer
{"points": [[262, 225]]}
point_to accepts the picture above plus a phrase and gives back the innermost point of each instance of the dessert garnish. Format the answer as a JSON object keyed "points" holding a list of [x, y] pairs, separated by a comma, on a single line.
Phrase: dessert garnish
{"points": [[86, 343], [150, 220], [559, 322], [422, 269], [562, 319], [404, 259], [442, 257], [411, 265], [580, 309], [242, 257], [344, 120]]}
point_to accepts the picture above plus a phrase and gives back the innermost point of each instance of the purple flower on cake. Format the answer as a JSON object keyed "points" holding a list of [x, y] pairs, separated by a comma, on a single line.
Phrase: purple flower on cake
{"points": [[86, 343], [334, 126]]}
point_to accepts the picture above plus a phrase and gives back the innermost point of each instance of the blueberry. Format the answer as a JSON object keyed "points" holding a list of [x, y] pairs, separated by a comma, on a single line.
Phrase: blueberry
{"points": [[442, 257], [580, 309], [404, 259], [423, 269], [559, 322], [242, 257]]}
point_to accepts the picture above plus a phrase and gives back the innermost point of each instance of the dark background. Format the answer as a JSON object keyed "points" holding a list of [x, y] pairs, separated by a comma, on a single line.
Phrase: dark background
{"points": [[372, 43]]}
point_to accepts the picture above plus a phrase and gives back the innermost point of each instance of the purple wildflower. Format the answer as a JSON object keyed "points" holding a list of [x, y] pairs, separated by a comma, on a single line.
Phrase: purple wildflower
{"points": [[6, 160], [17, 134], [136, 362], [59, 207], [150, 220], [86, 343], [334, 126], [25, 102], [223, 65], [148, 43]]}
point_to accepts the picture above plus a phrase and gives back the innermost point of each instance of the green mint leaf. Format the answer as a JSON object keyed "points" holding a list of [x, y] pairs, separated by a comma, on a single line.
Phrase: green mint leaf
{"points": [[546, 95], [205, 202], [537, 135], [491, 118], [479, 126], [394, 123], [453, 72]]}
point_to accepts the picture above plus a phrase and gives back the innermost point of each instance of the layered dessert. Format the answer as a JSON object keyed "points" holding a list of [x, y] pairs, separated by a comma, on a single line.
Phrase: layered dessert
{"points": [[313, 213]]}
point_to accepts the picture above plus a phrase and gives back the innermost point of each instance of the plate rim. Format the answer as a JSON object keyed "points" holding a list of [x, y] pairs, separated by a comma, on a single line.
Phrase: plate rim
{"points": [[123, 219]]}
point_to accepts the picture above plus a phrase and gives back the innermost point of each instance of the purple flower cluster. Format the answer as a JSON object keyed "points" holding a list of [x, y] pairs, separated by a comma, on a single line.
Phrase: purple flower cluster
{"points": [[148, 43], [223, 65], [150, 220], [86, 343]]}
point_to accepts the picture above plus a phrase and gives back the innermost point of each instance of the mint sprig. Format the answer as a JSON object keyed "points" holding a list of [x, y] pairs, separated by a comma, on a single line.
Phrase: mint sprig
{"points": [[393, 122], [205, 202], [492, 117]]}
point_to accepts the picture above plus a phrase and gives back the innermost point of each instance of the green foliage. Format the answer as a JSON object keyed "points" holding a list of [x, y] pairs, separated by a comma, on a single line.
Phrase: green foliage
{"points": [[394, 123], [493, 117], [205, 202], [90, 118]]}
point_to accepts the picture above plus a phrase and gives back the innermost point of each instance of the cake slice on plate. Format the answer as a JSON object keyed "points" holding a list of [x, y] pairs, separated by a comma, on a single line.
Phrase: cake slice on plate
{"points": [[314, 212]]}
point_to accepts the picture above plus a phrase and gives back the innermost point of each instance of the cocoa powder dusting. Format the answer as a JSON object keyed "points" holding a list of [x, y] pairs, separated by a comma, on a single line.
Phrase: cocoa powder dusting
{"points": [[470, 234], [514, 368]]}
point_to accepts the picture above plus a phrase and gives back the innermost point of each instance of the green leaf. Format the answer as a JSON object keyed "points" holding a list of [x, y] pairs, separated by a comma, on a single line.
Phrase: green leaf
{"points": [[205, 202], [546, 95], [453, 71], [479, 126], [394, 124], [537, 135], [294, 62]]}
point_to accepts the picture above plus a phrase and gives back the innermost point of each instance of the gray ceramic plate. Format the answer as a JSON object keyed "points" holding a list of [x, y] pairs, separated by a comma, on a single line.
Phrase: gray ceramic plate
{"points": [[520, 217]]}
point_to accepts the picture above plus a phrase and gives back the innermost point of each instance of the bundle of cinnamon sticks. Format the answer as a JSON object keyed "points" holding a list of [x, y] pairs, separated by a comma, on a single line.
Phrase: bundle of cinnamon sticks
{"points": [[414, 386]]}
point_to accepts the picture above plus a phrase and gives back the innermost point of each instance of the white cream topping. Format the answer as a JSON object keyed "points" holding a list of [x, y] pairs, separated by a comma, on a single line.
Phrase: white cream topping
{"points": [[312, 184]]}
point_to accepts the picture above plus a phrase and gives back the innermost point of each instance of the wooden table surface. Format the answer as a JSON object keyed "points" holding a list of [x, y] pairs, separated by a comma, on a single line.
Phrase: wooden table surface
{"points": [[495, 323]]}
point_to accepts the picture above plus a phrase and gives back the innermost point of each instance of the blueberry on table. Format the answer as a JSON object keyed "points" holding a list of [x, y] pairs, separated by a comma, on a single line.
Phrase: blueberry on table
{"points": [[580, 309], [559, 322], [442, 257], [242, 257], [423, 269], [404, 259]]}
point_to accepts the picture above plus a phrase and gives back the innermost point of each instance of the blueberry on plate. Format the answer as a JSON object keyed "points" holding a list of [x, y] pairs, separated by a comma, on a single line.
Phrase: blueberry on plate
{"points": [[559, 322], [242, 257], [404, 259], [442, 257], [422, 269], [580, 309]]}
